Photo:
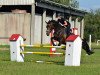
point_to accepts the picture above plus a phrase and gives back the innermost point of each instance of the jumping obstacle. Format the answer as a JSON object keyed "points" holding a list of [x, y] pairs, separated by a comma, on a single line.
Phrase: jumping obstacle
{"points": [[72, 53]]}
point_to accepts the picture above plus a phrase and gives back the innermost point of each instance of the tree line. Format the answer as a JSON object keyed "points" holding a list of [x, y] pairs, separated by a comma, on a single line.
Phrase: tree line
{"points": [[92, 24], [71, 3]]}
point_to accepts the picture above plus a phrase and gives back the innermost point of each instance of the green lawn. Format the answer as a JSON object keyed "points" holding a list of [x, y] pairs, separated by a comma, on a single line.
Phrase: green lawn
{"points": [[90, 65]]}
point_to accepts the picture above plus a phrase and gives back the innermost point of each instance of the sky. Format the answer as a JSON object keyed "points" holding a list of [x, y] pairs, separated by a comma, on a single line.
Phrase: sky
{"points": [[89, 4]]}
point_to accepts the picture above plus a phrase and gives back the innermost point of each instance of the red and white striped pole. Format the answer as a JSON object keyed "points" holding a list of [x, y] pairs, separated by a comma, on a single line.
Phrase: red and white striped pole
{"points": [[75, 31], [52, 49]]}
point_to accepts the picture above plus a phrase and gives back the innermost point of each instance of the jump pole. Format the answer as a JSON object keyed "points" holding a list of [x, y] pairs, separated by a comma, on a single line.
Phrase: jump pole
{"points": [[72, 52], [75, 31], [52, 49], [43, 53], [37, 46]]}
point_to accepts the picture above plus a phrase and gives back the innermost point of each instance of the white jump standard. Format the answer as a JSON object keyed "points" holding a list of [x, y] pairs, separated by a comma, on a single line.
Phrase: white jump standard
{"points": [[72, 53], [15, 41]]}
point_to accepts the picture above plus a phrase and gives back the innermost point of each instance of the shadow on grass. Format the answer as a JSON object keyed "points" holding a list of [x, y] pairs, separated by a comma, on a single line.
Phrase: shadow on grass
{"points": [[47, 62], [5, 60]]}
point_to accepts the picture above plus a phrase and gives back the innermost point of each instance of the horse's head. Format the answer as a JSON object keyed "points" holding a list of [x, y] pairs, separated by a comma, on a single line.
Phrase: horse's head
{"points": [[49, 27]]}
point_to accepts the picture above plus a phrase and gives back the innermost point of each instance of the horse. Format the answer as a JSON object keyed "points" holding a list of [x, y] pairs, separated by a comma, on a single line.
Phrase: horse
{"points": [[60, 35], [59, 32]]}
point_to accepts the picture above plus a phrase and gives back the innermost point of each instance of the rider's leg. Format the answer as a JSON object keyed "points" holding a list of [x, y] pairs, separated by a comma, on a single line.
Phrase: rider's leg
{"points": [[85, 46]]}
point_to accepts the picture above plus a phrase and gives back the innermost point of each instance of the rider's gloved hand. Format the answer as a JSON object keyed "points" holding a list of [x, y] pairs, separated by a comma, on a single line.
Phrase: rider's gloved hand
{"points": [[64, 26]]}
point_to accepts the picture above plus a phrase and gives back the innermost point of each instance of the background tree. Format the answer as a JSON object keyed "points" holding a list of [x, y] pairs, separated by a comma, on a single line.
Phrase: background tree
{"points": [[72, 3], [92, 24]]}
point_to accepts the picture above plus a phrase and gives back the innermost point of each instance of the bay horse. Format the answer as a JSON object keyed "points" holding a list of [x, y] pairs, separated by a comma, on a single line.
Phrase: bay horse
{"points": [[60, 35], [59, 32]]}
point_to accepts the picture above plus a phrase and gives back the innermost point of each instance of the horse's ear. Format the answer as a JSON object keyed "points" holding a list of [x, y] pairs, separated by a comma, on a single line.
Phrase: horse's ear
{"points": [[46, 22]]}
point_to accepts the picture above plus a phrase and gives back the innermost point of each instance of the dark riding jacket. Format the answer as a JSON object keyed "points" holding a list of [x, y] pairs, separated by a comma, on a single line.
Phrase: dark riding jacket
{"points": [[67, 30], [61, 20]]}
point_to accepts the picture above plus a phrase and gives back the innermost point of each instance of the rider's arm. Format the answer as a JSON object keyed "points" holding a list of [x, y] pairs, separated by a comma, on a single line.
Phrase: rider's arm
{"points": [[64, 22]]}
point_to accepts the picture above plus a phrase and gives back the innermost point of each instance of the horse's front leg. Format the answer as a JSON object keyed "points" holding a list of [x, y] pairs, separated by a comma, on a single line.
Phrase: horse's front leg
{"points": [[52, 38], [60, 42]]}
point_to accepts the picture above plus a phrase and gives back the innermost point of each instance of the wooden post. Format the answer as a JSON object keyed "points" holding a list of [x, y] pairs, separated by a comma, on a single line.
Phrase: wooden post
{"points": [[70, 21], [90, 41], [54, 15], [44, 26], [32, 23], [82, 28], [76, 22]]}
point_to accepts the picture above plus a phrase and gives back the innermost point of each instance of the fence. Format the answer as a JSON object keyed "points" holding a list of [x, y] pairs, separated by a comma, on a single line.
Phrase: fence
{"points": [[11, 23]]}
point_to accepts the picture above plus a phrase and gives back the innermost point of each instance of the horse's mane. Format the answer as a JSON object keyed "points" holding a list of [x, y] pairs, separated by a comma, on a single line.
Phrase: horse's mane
{"points": [[55, 23]]}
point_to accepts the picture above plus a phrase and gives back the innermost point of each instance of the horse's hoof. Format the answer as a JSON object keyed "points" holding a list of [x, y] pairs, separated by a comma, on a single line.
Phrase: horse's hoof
{"points": [[54, 45]]}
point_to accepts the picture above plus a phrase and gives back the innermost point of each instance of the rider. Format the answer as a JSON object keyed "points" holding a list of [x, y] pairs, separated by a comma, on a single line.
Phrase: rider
{"points": [[64, 23]]}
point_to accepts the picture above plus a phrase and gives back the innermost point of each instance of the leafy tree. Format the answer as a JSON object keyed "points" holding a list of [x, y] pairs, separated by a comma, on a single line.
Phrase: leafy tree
{"points": [[72, 3], [92, 24]]}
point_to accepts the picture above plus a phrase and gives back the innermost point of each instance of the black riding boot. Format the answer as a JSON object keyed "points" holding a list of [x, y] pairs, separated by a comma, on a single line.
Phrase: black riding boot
{"points": [[85, 46]]}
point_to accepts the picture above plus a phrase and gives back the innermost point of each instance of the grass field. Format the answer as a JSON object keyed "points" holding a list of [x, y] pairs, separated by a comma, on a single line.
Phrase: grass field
{"points": [[90, 65]]}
